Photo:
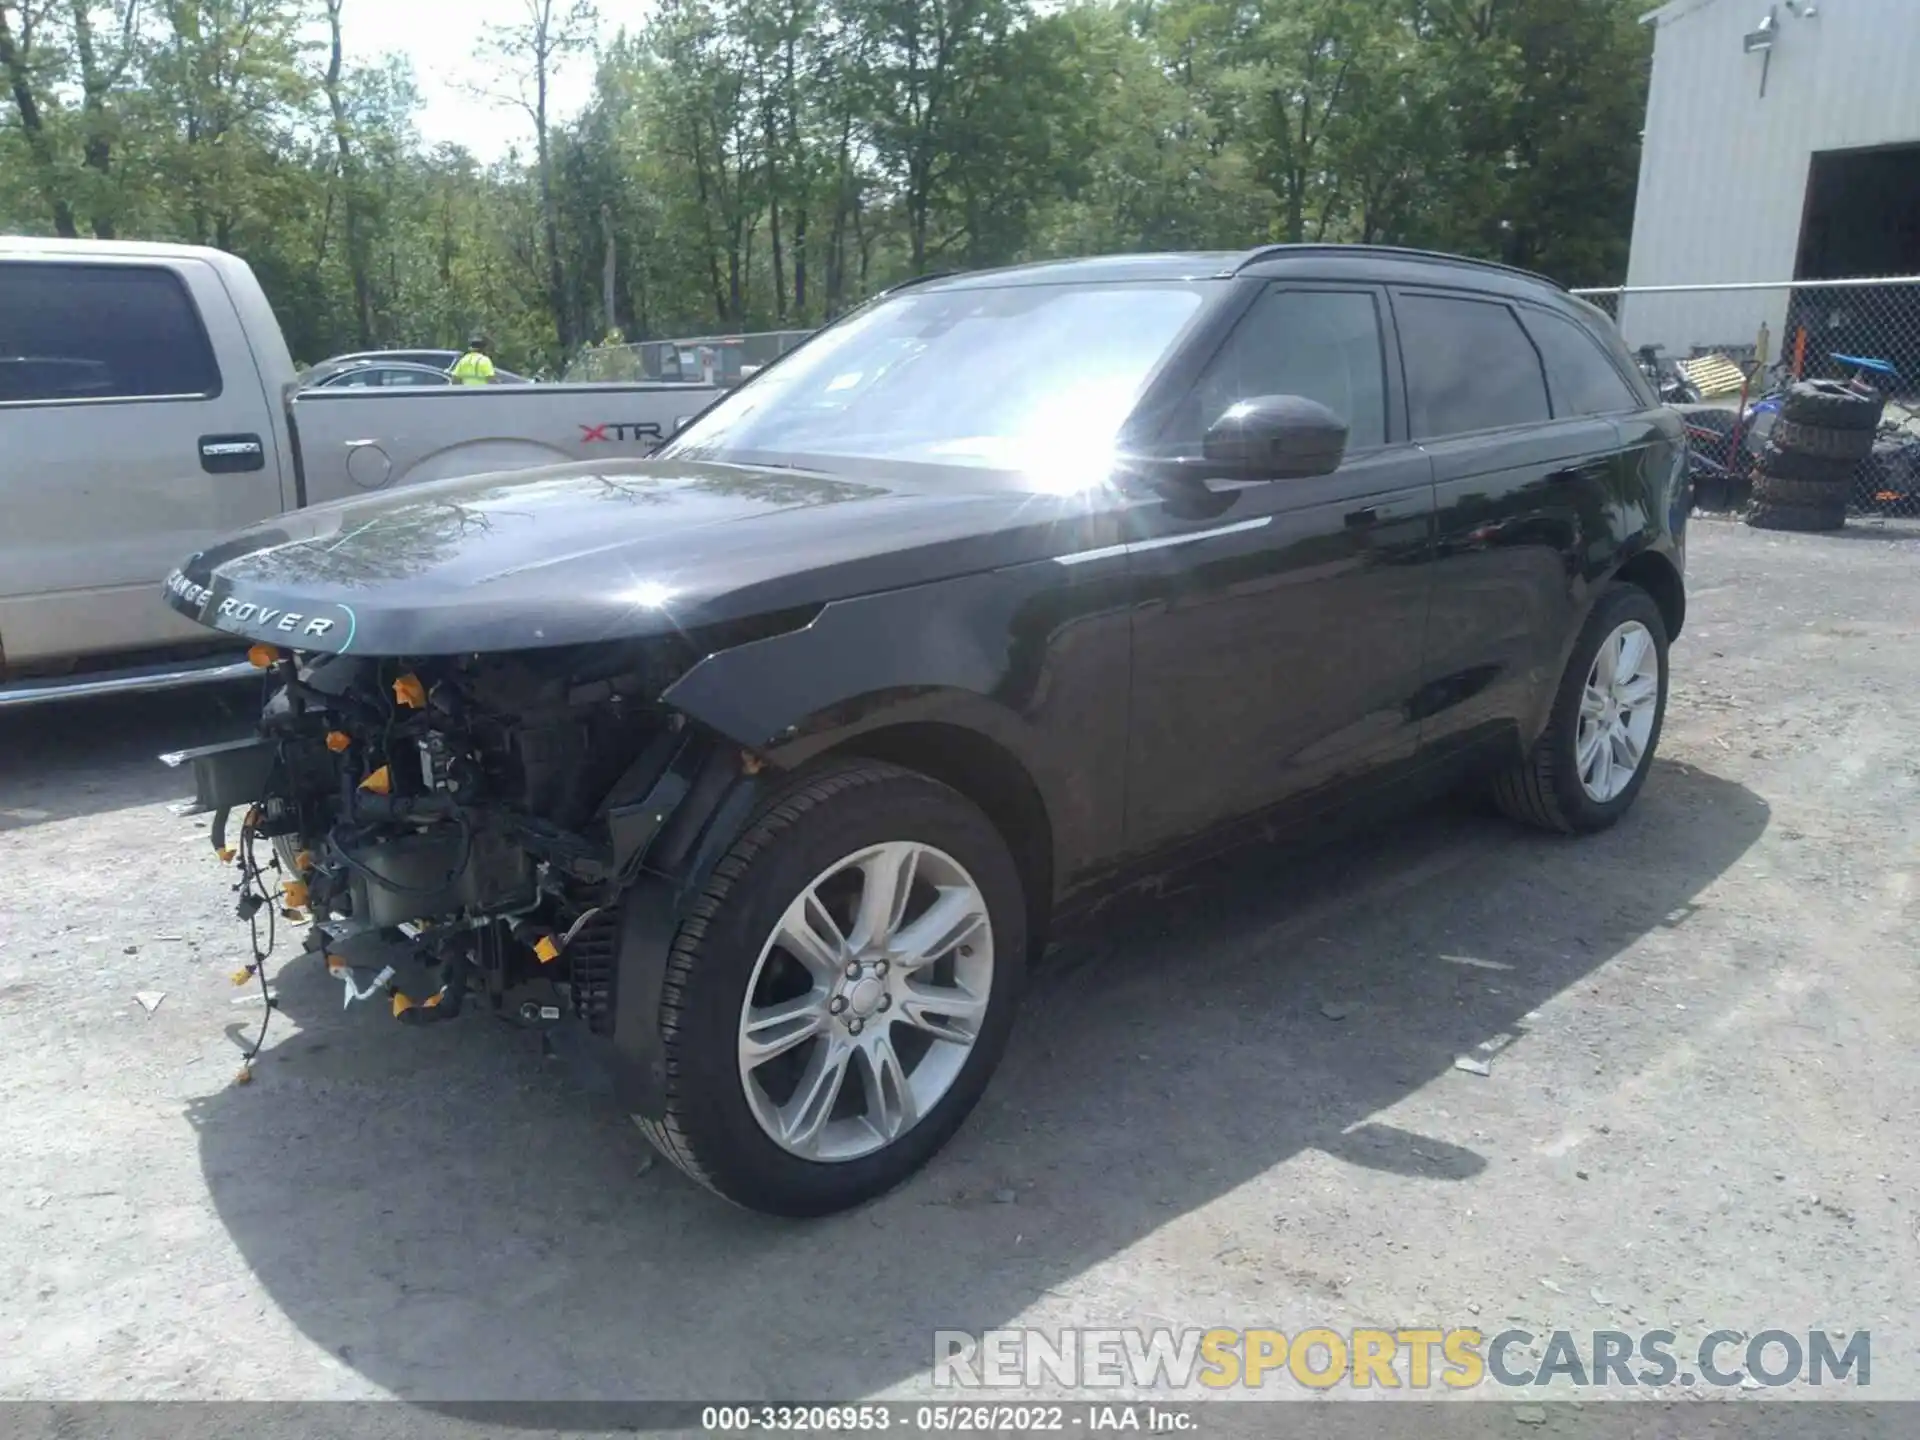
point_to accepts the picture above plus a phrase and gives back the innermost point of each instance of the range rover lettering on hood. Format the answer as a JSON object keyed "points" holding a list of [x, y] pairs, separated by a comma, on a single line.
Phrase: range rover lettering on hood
{"points": [[257, 617]]}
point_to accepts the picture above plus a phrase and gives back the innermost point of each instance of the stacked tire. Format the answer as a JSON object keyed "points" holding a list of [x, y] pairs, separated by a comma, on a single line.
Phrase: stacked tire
{"points": [[1803, 478]]}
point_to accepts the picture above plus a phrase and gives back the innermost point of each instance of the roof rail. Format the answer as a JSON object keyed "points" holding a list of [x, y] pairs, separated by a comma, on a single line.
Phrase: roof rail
{"points": [[1398, 252]]}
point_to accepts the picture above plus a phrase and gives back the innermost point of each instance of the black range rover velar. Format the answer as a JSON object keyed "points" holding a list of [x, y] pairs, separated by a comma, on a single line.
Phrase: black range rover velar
{"points": [[768, 762]]}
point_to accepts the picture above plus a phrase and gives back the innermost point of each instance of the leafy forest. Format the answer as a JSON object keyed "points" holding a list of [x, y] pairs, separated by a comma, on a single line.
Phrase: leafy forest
{"points": [[753, 164]]}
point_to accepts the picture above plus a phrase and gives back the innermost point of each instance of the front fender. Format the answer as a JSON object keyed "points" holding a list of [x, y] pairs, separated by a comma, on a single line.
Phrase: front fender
{"points": [[1035, 658]]}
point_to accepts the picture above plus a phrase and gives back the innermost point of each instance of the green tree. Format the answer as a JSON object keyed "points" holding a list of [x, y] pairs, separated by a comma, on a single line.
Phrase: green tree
{"points": [[33, 68], [533, 47], [751, 163]]}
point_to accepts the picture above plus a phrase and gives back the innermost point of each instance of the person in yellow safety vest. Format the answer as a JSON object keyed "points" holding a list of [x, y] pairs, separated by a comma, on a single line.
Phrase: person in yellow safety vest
{"points": [[474, 368]]}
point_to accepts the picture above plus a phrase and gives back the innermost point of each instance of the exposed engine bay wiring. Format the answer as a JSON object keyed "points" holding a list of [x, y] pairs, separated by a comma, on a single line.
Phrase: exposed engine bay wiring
{"points": [[254, 897], [459, 828]]}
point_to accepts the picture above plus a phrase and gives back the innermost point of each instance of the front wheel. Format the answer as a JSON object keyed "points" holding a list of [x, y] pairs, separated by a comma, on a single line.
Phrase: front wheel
{"points": [[1584, 771], [837, 999]]}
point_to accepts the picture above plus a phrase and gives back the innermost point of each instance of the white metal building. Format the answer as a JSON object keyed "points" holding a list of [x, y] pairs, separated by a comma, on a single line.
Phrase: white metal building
{"points": [[1782, 143]]}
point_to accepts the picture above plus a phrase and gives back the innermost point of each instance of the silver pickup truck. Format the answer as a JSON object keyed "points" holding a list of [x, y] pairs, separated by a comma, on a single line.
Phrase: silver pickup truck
{"points": [[147, 406]]}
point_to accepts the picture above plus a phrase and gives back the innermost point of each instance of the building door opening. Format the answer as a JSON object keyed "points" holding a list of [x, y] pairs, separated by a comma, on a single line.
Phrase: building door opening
{"points": [[1862, 218]]}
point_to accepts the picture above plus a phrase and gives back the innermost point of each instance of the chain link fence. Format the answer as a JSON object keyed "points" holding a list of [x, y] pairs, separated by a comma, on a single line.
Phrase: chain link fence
{"points": [[1726, 356], [708, 359]]}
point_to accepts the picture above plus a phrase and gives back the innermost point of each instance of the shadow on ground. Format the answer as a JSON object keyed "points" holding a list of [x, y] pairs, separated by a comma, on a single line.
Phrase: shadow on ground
{"points": [[446, 1213], [89, 757]]}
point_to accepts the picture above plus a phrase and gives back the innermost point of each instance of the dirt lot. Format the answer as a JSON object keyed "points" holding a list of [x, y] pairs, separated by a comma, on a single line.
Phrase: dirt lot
{"points": [[1235, 1106]]}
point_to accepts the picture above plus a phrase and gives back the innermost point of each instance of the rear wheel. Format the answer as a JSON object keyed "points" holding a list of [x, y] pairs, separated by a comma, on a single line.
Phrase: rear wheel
{"points": [[1584, 771], [840, 994]]}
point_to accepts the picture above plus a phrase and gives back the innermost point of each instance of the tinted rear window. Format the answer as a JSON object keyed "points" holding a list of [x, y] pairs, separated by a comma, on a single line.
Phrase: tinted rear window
{"points": [[1580, 375], [1469, 366], [99, 332]]}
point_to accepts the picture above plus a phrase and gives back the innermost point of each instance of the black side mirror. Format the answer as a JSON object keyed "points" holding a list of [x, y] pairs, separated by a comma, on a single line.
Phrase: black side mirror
{"points": [[1276, 437]]}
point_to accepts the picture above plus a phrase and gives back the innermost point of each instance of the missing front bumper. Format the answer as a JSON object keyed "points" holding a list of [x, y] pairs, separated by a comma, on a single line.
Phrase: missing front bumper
{"points": [[228, 775]]}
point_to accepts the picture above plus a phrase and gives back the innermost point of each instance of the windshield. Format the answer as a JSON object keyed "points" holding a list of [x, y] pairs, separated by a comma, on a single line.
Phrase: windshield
{"points": [[1019, 377]]}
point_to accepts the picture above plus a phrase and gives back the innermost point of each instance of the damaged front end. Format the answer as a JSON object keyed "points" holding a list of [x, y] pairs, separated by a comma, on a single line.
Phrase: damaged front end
{"points": [[512, 831]]}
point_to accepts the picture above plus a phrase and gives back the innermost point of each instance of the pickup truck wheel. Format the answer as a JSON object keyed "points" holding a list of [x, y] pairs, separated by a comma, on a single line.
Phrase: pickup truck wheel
{"points": [[1590, 762], [840, 993]]}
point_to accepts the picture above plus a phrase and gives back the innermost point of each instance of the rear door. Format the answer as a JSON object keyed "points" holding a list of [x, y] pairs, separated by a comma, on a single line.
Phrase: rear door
{"points": [[126, 447], [1587, 378], [1520, 486], [1278, 641]]}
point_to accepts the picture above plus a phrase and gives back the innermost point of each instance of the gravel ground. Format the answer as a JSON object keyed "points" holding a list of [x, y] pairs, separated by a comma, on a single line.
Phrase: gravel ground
{"points": [[1236, 1105]]}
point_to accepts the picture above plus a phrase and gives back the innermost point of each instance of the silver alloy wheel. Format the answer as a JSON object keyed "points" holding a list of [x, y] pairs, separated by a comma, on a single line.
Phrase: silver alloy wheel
{"points": [[880, 968], [1616, 711]]}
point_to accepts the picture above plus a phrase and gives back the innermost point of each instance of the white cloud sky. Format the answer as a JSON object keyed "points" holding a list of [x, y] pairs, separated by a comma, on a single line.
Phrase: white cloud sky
{"points": [[439, 37]]}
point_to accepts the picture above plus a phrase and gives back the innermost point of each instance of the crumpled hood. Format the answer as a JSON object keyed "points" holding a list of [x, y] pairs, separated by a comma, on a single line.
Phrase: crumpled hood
{"points": [[582, 553]]}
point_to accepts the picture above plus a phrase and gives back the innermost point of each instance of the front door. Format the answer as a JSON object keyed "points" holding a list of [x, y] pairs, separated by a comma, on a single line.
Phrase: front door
{"points": [[1278, 643]]}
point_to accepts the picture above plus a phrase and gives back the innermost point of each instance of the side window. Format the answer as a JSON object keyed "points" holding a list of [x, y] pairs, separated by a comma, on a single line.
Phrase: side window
{"points": [[99, 332], [1579, 374], [1469, 366], [1323, 344]]}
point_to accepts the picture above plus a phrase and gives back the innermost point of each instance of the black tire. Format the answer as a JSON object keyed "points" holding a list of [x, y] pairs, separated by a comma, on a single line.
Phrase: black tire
{"points": [[1831, 405], [1812, 494], [1544, 789], [709, 1129], [1778, 464], [1816, 440], [1806, 518]]}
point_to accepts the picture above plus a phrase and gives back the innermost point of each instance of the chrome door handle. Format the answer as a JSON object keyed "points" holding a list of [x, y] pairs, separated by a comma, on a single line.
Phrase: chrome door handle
{"points": [[232, 454]]}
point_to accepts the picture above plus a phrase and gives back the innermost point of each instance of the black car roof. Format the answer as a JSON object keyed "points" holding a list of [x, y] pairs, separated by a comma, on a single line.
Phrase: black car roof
{"points": [[340, 367], [1384, 263], [391, 354]]}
